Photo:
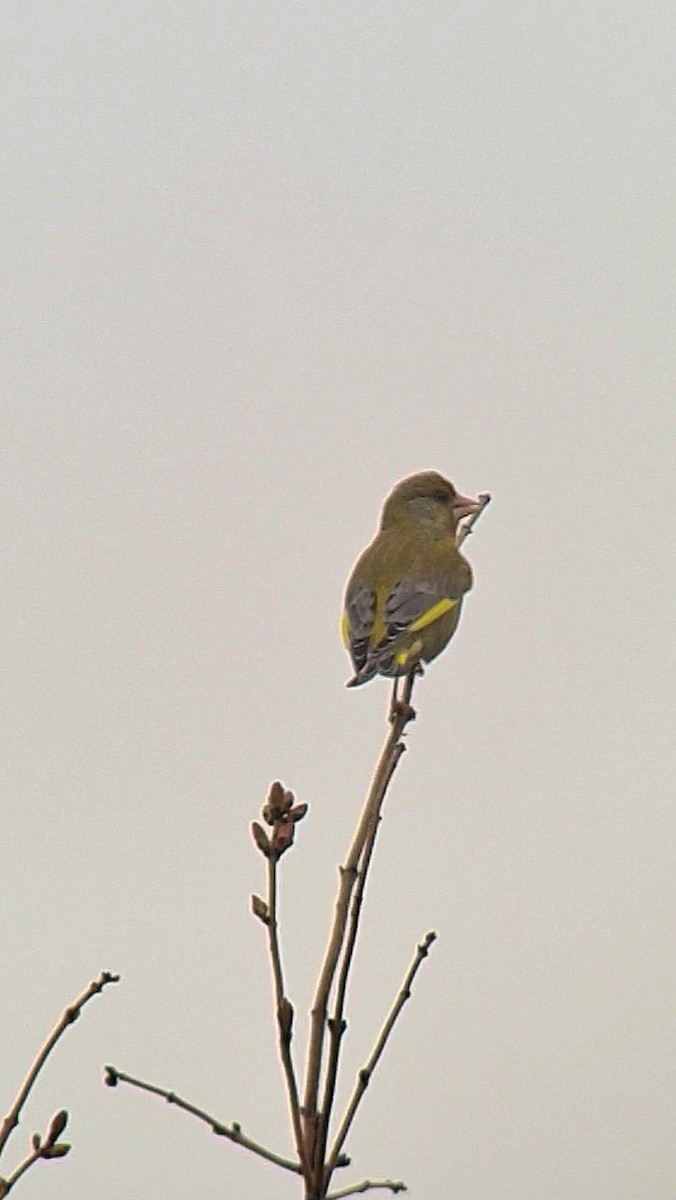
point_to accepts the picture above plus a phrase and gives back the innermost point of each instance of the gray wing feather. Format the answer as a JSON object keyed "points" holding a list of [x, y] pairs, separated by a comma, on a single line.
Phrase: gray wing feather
{"points": [[360, 606], [408, 600]]}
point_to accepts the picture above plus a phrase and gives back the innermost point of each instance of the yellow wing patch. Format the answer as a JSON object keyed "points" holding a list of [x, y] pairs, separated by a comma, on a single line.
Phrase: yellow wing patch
{"points": [[437, 610], [410, 653]]}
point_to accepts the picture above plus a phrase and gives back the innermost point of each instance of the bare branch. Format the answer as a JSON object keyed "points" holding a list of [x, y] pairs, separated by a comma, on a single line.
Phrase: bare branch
{"points": [[233, 1132], [400, 716], [364, 1075], [284, 1012], [337, 1024], [367, 1185], [7, 1184], [46, 1147], [68, 1016]]}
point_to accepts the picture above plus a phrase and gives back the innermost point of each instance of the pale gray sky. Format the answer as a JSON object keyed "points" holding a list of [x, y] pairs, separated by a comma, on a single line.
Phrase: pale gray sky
{"points": [[260, 261]]}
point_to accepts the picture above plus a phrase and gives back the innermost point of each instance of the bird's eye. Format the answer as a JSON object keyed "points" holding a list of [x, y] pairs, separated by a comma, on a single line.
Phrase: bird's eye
{"points": [[442, 496]]}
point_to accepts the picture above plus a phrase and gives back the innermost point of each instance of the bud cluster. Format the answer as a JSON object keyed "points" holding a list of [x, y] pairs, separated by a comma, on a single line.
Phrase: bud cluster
{"points": [[281, 813]]}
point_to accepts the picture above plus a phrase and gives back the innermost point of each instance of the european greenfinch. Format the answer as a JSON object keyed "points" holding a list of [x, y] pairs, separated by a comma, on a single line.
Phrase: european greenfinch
{"points": [[405, 593]]}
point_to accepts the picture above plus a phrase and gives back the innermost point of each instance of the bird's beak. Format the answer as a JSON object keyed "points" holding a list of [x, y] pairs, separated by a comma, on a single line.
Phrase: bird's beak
{"points": [[465, 506]]}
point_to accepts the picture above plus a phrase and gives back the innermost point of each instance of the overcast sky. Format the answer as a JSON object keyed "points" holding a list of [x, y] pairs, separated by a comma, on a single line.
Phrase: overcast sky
{"points": [[260, 260]]}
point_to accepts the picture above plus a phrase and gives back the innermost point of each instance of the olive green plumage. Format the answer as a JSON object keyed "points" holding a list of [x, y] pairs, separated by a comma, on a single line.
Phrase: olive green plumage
{"points": [[404, 596]]}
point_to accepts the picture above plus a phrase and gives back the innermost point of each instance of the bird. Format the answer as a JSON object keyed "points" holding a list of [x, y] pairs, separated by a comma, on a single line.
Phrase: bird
{"points": [[404, 596]]}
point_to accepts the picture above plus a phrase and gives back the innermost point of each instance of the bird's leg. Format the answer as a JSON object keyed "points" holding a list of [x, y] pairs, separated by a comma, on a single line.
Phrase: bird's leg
{"points": [[403, 708], [394, 702]]}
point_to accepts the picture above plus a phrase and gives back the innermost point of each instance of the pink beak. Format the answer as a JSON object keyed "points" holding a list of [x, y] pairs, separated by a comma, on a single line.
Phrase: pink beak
{"points": [[466, 506]]}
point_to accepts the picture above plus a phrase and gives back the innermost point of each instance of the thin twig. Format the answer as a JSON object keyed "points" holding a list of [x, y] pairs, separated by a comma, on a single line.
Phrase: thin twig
{"points": [[364, 1075], [366, 1185], [7, 1184], [68, 1016], [47, 1147], [467, 526], [284, 1012], [233, 1132], [337, 1024], [401, 714]]}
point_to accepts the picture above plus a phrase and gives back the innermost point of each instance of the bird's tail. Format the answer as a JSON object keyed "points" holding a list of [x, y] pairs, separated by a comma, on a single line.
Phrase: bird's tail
{"points": [[368, 671]]}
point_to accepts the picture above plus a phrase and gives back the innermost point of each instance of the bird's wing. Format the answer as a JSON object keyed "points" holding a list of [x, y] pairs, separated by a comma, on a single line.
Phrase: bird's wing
{"points": [[412, 605], [357, 623], [377, 616], [409, 606]]}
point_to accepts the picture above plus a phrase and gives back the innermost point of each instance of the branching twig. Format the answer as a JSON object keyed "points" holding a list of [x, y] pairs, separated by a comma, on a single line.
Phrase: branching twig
{"points": [[366, 1185], [233, 1132], [364, 1076], [401, 714], [7, 1184], [68, 1016], [47, 1147]]}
